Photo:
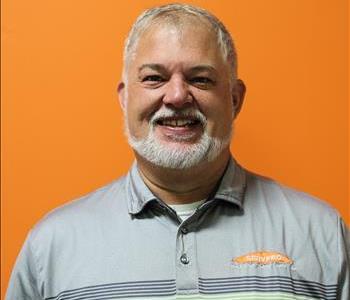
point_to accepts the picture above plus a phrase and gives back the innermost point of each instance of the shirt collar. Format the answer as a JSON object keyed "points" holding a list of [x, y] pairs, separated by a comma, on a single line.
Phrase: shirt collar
{"points": [[230, 189], [232, 185], [139, 195]]}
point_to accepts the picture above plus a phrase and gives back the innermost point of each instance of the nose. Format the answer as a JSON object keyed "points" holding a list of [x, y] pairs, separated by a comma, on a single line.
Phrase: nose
{"points": [[177, 92]]}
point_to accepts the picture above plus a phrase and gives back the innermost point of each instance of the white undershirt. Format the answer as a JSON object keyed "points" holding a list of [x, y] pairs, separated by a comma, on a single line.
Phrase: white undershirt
{"points": [[184, 211]]}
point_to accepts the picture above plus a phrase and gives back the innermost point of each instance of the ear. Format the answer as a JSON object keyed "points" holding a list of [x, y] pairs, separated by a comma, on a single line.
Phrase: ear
{"points": [[238, 93], [122, 95]]}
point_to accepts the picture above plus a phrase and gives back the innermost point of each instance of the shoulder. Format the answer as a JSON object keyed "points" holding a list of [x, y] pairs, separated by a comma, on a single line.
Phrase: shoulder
{"points": [[289, 203], [310, 230], [84, 212]]}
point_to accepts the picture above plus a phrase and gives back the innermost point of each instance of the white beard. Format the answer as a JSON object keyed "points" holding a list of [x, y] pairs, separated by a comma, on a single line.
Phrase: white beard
{"points": [[177, 154]]}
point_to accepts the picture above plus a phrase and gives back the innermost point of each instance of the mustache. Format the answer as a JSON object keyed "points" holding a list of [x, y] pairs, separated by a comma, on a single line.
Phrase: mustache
{"points": [[187, 113]]}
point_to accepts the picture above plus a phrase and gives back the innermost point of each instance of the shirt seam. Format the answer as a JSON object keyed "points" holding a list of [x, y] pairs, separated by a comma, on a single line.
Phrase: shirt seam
{"points": [[35, 263], [188, 290], [339, 251]]}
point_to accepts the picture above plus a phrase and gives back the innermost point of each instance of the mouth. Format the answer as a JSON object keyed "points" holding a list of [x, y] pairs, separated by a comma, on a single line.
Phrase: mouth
{"points": [[179, 128], [176, 122]]}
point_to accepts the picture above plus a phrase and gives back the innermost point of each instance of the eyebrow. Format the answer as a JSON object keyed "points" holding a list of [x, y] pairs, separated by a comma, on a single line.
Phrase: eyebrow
{"points": [[202, 68], [155, 67], [161, 68]]}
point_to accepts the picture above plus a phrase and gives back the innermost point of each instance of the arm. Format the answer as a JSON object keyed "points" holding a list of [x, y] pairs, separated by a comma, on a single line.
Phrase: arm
{"points": [[344, 256], [24, 281]]}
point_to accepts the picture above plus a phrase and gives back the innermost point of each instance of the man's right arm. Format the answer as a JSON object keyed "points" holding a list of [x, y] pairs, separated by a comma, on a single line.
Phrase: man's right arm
{"points": [[24, 281], [344, 273]]}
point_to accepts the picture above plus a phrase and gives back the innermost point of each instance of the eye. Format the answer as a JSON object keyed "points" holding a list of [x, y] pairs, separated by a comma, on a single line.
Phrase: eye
{"points": [[152, 79], [202, 82]]}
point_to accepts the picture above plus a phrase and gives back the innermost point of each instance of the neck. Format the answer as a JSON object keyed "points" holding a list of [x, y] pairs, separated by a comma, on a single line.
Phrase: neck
{"points": [[181, 186]]}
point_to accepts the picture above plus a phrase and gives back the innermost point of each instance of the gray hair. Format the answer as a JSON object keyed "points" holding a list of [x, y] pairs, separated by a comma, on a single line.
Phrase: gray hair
{"points": [[173, 13]]}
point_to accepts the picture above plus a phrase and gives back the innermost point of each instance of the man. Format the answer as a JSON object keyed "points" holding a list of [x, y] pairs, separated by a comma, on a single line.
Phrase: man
{"points": [[187, 222]]}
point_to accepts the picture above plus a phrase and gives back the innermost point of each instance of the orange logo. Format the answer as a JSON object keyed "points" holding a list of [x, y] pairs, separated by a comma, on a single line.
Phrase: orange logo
{"points": [[263, 258]]}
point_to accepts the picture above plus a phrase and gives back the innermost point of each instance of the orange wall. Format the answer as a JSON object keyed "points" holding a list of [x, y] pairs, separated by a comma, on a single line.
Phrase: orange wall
{"points": [[62, 127]]}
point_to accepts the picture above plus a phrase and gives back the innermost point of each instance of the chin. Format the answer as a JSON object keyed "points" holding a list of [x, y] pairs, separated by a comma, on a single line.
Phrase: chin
{"points": [[180, 155]]}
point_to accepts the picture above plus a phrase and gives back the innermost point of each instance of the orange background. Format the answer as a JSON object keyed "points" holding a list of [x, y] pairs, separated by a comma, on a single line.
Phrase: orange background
{"points": [[62, 127]]}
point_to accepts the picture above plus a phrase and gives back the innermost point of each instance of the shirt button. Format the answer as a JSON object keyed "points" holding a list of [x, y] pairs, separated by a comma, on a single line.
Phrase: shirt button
{"points": [[184, 230], [184, 259]]}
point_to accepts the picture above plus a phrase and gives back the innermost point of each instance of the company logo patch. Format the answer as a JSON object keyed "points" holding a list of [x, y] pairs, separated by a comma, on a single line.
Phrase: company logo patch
{"points": [[263, 258]]}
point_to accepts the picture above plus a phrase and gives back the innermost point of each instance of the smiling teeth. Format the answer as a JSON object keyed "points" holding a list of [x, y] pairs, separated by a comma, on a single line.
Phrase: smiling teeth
{"points": [[176, 123]]}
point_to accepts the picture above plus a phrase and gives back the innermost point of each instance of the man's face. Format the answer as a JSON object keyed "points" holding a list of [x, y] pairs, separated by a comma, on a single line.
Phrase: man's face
{"points": [[178, 93]]}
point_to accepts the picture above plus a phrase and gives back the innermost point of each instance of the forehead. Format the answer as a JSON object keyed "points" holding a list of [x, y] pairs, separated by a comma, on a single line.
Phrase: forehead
{"points": [[191, 42]]}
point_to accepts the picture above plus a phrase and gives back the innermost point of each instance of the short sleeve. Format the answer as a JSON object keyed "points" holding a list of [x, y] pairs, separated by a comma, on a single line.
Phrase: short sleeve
{"points": [[344, 251], [24, 278]]}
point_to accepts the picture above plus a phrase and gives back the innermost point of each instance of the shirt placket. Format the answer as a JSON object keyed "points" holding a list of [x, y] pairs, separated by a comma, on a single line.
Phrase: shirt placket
{"points": [[186, 260]]}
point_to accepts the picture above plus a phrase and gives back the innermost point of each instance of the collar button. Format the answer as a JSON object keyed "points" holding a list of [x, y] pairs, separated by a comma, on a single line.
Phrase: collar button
{"points": [[184, 230]]}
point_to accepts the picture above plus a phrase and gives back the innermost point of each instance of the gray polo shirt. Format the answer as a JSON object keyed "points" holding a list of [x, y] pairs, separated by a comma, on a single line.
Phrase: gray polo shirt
{"points": [[251, 239]]}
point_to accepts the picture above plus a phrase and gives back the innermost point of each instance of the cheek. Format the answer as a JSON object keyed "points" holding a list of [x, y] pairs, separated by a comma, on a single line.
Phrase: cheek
{"points": [[218, 111], [216, 106], [136, 128], [226, 107], [137, 117], [141, 105]]}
